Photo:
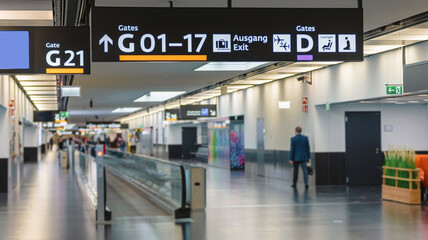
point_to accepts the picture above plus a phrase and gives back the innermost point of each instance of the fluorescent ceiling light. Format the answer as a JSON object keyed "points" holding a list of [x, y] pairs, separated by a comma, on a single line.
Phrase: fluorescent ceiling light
{"points": [[158, 96], [126, 110], [38, 83], [374, 49], [43, 97], [229, 66], [35, 92], [35, 77], [414, 101], [271, 75], [53, 88], [237, 87], [25, 15], [296, 69], [254, 82]]}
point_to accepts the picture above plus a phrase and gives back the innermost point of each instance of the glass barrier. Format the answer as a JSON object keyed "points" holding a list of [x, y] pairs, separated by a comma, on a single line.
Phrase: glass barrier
{"points": [[86, 170], [163, 178]]}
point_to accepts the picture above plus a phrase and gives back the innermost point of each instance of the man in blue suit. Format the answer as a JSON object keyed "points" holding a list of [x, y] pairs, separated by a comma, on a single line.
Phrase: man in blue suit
{"points": [[300, 155]]}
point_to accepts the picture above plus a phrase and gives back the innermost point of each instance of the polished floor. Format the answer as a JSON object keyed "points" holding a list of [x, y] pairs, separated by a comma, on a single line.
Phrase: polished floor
{"points": [[49, 205]]}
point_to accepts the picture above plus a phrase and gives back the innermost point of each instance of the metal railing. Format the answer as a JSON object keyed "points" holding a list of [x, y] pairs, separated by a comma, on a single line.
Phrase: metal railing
{"points": [[86, 170], [171, 186], [163, 181]]}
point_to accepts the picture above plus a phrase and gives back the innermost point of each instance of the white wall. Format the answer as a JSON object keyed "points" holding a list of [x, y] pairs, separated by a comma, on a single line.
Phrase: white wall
{"points": [[338, 84], [31, 136], [4, 133], [23, 109], [409, 124], [417, 53]]}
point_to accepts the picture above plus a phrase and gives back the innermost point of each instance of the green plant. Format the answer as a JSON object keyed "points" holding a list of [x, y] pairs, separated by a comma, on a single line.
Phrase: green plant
{"points": [[404, 158]]}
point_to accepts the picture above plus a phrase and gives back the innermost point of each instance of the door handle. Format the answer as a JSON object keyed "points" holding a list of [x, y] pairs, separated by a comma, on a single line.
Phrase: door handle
{"points": [[377, 150]]}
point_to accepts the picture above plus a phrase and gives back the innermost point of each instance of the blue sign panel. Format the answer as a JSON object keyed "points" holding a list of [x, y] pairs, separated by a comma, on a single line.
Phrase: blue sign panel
{"points": [[14, 50]]}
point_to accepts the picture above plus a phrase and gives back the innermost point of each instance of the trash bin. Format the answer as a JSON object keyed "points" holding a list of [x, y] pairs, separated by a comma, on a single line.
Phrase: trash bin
{"points": [[198, 191], [64, 159]]}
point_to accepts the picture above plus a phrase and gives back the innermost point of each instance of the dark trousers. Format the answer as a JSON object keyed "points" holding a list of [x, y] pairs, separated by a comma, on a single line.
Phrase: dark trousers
{"points": [[304, 166], [132, 149]]}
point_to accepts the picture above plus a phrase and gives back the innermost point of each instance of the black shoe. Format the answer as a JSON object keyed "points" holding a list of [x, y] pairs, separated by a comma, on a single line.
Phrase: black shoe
{"points": [[293, 186], [306, 186]]}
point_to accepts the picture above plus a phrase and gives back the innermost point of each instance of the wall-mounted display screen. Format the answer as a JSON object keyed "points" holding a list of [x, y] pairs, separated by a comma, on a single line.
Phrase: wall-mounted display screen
{"points": [[44, 116], [14, 50]]}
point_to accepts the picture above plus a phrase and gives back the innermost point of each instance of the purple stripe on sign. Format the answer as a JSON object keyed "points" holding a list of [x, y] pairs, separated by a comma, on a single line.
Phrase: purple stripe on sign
{"points": [[305, 57]]}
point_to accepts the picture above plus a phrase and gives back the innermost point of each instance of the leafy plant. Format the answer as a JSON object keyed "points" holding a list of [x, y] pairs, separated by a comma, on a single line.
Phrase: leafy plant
{"points": [[404, 158]]}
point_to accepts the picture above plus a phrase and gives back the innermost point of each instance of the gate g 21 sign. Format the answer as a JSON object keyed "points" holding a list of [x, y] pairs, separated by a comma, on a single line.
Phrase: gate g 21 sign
{"points": [[45, 50], [227, 34]]}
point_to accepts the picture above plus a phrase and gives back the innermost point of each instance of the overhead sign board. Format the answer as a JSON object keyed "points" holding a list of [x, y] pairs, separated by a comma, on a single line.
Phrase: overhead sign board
{"points": [[226, 34], [45, 116], [45, 50], [172, 114], [196, 111], [92, 125]]}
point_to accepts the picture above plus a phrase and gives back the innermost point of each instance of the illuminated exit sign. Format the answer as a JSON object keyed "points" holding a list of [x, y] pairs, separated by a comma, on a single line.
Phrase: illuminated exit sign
{"points": [[394, 90], [226, 34]]}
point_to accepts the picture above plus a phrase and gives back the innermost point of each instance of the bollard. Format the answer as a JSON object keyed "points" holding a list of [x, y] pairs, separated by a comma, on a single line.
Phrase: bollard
{"points": [[72, 156], [99, 153], [198, 191]]}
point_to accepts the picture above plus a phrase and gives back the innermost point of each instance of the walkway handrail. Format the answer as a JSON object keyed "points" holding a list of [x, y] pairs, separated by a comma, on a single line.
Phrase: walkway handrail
{"points": [[161, 179]]}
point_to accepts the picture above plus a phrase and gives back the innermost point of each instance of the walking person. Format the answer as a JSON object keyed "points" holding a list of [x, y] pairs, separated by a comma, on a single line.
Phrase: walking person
{"points": [[300, 155], [121, 144], [133, 143]]}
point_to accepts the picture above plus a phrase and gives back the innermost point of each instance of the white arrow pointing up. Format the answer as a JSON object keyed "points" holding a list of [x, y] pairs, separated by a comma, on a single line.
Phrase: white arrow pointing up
{"points": [[106, 40]]}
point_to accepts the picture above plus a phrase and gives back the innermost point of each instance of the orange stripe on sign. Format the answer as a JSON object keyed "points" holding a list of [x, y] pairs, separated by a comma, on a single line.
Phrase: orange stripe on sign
{"points": [[64, 70], [162, 57]]}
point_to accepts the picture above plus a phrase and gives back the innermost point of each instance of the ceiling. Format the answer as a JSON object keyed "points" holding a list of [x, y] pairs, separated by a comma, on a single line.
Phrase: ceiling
{"points": [[113, 85]]}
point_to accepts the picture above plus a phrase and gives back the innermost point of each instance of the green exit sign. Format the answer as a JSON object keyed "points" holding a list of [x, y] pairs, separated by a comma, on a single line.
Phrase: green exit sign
{"points": [[391, 90], [64, 114]]}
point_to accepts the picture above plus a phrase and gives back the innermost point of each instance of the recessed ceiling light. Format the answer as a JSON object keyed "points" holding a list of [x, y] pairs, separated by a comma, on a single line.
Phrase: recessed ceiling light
{"points": [[400, 103], [229, 66], [158, 96], [25, 15], [413, 101], [255, 82], [126, 110], [35, 77]]}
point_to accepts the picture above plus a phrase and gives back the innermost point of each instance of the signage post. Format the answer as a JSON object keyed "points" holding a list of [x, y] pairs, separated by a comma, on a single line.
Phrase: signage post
{"points": [[100, 184]]}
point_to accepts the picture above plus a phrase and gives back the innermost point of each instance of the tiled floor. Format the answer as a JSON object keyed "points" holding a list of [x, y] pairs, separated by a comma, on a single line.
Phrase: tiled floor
{"points": [[49, 205]]}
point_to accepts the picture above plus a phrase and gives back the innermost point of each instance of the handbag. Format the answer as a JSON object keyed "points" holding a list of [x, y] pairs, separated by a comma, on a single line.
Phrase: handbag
{"points": [[310, 170]]}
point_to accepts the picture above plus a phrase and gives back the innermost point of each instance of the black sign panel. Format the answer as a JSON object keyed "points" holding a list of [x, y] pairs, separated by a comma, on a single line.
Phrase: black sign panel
{"points": [[45, 50], [172, 114], [44, 116], [62, 50], [196, 111], [226, 34]]}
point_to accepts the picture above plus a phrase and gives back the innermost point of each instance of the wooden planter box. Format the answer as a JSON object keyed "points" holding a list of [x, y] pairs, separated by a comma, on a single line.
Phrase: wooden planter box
{"points": [[399, 194]]}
